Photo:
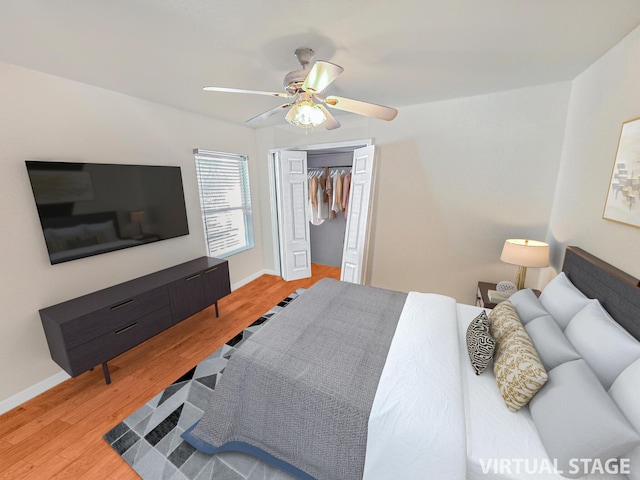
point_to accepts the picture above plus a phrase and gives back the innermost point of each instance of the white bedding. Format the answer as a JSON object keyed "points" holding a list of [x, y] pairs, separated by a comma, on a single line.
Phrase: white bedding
{"points": [[494, 433], [433, 418], [416, 423]]}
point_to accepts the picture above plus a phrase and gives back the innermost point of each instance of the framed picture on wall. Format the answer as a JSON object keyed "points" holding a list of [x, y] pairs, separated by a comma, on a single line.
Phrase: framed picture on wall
{"points": [[623, 197]]}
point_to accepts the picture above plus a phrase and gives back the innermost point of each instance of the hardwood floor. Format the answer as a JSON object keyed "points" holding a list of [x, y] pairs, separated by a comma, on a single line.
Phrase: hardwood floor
{"points": [[58, 435]]}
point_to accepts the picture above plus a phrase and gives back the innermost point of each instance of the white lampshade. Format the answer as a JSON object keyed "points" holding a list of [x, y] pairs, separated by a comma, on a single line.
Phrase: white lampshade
{"points": [[525, 253]]}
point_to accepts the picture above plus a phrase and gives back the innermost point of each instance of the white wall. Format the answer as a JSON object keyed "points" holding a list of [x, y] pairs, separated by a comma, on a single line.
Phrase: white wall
{"points": [[454, 180], [602, 98], [44, 117]]}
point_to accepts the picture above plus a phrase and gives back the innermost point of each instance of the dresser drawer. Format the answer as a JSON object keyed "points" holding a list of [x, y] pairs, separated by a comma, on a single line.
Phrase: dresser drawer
{"points": [[186, 296], [88, 327], [216, 283], [119, 340]]}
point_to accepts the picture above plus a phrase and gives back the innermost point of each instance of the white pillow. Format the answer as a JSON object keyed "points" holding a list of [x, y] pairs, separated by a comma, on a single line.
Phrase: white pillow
{"points": [[527, 305], [634, 463], [625, 391], [602, 342], [562, 299], [576, 419], [553, 347]]}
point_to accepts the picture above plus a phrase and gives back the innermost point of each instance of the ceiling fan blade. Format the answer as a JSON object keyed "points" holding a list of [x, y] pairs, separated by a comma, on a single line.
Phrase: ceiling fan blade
{"points": [[362, 108], [320, 76], [239, 90], [330, 123], [268, 113]]}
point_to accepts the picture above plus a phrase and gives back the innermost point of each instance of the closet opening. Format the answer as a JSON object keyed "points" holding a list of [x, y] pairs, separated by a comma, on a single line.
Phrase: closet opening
{"points": [[329, 188], [321, 231]]}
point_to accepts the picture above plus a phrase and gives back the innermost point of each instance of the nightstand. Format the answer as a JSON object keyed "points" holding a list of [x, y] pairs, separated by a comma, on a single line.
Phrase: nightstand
{"points": [[482, 295]]}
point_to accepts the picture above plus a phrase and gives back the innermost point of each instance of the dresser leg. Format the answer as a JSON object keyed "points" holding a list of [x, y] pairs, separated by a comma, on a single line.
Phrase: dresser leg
{"points": [[105, 370], [216, 304]]}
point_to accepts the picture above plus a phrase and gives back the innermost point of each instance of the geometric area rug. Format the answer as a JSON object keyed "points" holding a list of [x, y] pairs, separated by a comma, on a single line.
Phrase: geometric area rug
{"points": [[149, 439]]}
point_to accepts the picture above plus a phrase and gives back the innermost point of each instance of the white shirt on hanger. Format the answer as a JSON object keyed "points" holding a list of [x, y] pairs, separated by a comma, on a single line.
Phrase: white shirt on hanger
{"points": [[323, 208]]}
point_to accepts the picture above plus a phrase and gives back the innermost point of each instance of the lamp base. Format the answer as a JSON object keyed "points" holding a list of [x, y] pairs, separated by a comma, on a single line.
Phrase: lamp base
{"points": [[522, 274]]}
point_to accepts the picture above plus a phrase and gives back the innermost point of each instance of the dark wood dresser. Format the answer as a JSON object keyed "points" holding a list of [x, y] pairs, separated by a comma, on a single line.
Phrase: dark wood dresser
{"points": [[90, 330]]}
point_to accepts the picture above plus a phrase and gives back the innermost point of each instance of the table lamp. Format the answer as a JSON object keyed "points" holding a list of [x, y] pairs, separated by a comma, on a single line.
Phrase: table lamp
{"points": [[525, 253]]}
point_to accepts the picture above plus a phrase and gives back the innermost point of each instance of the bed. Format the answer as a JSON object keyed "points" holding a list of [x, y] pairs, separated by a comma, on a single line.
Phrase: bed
{"points": [[355, 382]]}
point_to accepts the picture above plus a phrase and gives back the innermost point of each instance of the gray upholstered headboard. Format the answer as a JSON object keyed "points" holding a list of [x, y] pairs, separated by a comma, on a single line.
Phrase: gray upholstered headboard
{"points": [[617, 291]]}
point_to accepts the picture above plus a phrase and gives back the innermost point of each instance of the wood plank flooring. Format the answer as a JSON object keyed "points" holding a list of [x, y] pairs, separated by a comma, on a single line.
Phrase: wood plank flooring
{"points": [[58, 435]]}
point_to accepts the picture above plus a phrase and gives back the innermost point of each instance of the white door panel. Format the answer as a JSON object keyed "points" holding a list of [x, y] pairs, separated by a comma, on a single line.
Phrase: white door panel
{"points": [[292, 191], [356, 239]]}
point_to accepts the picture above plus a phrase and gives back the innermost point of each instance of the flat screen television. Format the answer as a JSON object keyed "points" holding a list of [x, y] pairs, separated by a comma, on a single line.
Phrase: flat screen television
{"points": [[88, 209]]}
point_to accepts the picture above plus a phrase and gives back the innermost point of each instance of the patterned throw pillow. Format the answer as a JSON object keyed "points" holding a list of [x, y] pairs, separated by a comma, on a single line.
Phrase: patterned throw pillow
{"points": [[504, 320], [518, 369], [480, 343]]}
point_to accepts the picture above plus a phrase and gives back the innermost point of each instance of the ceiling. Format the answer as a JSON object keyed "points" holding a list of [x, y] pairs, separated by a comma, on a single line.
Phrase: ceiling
{"points": [[394, 52]]}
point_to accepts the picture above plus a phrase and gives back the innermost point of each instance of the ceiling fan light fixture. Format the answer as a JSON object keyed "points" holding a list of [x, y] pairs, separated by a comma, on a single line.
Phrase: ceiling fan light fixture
{"points": [[306, 114], [303, 91]]}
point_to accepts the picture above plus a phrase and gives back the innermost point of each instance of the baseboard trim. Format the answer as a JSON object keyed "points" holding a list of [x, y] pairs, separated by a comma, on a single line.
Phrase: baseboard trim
{"points": [[41, 387], [32, 392], [251, 278]]}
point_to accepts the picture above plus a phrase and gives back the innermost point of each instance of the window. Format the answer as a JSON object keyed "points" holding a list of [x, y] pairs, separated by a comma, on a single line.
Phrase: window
{"points": [[223, 180]]}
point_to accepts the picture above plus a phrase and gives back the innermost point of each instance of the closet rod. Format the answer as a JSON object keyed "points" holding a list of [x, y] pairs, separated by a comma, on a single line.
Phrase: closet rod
{"points": [[333, 166]]}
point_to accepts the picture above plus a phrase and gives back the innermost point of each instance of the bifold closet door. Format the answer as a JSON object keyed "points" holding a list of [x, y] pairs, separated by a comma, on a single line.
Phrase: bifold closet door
{"points": [[356, 238], [293, 224]]}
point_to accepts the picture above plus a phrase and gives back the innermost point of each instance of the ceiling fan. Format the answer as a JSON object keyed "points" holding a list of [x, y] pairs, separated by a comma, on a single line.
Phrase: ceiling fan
{"points": [[304, 93]]}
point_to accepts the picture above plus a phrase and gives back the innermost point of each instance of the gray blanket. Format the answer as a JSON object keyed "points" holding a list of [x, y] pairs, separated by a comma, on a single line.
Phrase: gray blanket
{"points": [[302, 387]]}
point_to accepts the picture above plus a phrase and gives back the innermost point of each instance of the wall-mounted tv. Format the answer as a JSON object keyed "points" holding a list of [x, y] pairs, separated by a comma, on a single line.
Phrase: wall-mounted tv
{"points": [[87, 209]]}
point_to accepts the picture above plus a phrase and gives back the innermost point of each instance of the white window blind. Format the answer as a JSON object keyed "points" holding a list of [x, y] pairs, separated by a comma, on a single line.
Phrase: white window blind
{"points": [[223, 180]]}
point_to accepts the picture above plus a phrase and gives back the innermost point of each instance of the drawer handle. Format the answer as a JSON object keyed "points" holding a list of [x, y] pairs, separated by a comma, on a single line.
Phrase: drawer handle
{"points": [[129, 327], [211, 270], [123, 304], [192, 277]]}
